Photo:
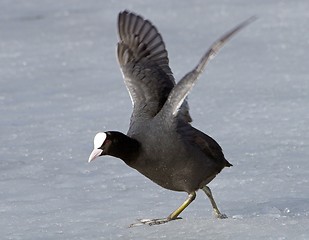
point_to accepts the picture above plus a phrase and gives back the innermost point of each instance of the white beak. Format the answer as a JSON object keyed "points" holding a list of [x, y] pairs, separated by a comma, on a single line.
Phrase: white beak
{"points": [[94, 154]]}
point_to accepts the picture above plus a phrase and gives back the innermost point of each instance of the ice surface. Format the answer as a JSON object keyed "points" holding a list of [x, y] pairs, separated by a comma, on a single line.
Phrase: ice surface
{"points": [[60, 84]]}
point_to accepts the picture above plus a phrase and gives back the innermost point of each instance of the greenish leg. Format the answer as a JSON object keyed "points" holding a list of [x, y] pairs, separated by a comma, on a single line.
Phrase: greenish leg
{"points": [[182, 207], [213, 203], [173, 216]]}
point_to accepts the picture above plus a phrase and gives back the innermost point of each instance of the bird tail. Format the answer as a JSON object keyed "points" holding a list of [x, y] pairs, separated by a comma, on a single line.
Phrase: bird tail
{"points": [[227, 164]]}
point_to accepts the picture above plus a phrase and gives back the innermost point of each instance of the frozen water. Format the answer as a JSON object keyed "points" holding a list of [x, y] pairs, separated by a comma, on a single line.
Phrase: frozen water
{"points": [[60, 84]]}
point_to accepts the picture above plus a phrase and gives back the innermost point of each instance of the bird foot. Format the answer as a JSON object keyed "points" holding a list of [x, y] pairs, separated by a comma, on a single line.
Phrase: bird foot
{"points": [[151, 222], [221, 216]]}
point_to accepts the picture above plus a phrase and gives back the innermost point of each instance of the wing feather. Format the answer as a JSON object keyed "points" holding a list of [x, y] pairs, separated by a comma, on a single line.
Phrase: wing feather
{"points": [[144, 62]]}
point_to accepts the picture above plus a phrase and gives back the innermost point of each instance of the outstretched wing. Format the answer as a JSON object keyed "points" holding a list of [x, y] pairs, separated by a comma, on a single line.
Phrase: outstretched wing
{"points": [[144, 63], [171, 108], [183, 87]]}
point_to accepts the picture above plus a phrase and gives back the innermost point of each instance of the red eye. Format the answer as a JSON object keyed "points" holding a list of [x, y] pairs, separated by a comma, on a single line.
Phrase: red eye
{"points": [[107, 142]]}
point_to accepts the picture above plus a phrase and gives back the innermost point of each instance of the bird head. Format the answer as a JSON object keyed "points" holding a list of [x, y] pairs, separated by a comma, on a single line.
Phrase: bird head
{"points": [[101, 143]]}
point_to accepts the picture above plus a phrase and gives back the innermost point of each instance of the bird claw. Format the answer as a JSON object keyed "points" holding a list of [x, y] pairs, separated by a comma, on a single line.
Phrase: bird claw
{"points": [[151, 222], [221, 216]]}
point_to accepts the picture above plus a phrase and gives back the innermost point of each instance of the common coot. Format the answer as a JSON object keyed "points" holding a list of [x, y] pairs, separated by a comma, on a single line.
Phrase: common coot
{"points": [[161, 143]]}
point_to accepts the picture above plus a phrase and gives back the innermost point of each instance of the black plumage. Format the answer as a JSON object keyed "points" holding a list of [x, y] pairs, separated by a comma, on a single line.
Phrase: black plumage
{"points": [[161, 143]]}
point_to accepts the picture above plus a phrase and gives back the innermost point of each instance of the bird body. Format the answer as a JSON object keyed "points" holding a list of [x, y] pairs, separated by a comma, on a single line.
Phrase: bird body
{"points": [[186, 165], [161, 143]]}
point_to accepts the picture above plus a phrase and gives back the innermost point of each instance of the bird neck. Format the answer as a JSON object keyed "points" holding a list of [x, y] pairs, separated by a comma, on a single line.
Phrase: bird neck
{"points": [[124, 147]]}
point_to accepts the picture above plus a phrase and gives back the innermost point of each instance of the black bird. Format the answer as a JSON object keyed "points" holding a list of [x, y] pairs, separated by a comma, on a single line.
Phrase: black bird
{"points": [[161, 143]]}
